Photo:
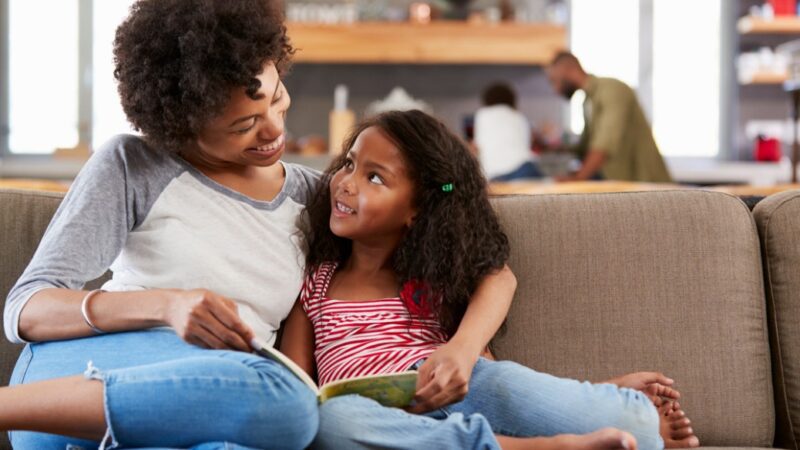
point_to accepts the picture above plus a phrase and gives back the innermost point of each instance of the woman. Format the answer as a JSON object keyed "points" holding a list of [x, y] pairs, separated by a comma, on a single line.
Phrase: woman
{"points": [[200, 202]]}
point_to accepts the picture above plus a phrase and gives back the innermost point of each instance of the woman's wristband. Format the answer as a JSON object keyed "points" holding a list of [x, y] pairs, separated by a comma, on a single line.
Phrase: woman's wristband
{"points": [[85, 310]]}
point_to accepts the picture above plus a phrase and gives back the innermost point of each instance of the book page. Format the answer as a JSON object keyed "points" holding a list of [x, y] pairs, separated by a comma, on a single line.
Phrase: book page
{"points": [[267, 351], [394, 389]]}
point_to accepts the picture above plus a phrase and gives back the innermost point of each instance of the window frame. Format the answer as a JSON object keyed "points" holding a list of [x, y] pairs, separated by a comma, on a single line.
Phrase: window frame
{"points": [[85, 90], [4, 79], [728, 102]]}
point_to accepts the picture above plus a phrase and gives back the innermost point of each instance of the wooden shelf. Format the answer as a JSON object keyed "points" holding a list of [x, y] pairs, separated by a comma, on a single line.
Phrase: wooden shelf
{"points": [[778, 25], [434, 43], [766, 78]]}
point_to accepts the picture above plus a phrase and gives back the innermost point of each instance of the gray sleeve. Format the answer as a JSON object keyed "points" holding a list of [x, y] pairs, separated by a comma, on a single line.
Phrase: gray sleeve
{"points": [[305, 182], [90, 226]]}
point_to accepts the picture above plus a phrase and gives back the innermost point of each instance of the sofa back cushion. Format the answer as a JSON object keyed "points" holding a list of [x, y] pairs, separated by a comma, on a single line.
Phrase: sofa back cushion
{"points": [[668, 281], [778, 220], [608, 284]]}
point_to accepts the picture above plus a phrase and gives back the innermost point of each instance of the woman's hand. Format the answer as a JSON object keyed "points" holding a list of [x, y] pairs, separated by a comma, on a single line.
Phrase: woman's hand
{"points": [[654, 384], [206, 319], [443, 378]]}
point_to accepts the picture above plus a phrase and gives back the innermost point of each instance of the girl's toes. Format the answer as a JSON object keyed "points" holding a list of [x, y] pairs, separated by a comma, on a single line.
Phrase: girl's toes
{"points": [[682, 423]]}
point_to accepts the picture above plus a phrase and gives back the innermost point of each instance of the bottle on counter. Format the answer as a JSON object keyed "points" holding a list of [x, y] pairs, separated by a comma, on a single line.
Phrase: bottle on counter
{"points": [[340, 120]]}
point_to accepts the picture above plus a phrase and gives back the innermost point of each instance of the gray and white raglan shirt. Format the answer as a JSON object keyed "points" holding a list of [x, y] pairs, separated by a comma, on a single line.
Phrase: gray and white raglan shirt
{"points": [[159, 223]]}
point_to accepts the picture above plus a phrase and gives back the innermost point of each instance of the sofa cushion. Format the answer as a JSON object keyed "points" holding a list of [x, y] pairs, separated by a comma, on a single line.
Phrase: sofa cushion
{"points": [[668, 281], [778, 220]]}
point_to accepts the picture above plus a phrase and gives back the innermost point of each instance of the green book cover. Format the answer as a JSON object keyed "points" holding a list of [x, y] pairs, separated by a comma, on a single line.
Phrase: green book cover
{"points": [[395, 389]]}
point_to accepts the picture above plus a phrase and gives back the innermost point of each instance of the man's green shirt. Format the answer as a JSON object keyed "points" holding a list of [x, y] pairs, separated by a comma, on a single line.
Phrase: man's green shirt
{"points": [[616, 126]]}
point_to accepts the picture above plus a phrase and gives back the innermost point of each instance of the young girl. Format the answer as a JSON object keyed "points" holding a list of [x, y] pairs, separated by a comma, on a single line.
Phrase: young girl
{"points": [[397, 245]]}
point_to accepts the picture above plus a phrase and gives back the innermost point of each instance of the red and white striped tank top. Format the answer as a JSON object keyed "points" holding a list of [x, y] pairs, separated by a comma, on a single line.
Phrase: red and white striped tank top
{"points": [[365, 337]]}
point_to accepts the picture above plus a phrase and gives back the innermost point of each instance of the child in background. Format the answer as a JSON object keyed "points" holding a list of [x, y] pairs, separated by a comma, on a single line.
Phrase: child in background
{"points": [[503, 137], [398, 244]]}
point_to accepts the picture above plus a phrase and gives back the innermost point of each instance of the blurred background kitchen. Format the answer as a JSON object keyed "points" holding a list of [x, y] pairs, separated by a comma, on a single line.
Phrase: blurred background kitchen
{"points": [[710, 75]]}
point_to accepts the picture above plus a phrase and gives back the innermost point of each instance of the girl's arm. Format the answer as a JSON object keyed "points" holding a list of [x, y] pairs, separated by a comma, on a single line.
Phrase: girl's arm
{"points": [[444, 377], [297, 341]]}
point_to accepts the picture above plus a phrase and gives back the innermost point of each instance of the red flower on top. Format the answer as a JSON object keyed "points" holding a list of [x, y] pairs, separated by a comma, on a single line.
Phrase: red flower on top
{"points": [[418, 298]]}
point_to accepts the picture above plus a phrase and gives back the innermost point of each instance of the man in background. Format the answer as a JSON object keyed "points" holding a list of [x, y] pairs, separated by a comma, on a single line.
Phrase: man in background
{"points": [[617, 142]]}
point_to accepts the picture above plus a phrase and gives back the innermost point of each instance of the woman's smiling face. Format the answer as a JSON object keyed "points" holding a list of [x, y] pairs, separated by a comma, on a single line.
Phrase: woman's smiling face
{"points": [[249, 132], [372, 194]]}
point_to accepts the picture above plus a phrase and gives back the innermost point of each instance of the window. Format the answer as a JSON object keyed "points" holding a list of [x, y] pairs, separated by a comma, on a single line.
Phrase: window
{"points": [[683, 97], [108, 118], [604, 35], [62, 91], [43, 75], [686, 76]]}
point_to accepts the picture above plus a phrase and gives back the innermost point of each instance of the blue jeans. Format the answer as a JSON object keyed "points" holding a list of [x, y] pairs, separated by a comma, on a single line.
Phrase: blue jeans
{"points": [[527, 170], [504, 398], [163, 392]]}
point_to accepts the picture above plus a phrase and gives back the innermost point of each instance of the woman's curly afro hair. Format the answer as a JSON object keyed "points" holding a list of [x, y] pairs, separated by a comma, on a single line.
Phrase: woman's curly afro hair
{"points": [[455, 239], [177, 61]]}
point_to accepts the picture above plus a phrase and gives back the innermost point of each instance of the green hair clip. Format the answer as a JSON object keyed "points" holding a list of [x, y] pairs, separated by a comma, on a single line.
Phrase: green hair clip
{"points": [[447, 187]]}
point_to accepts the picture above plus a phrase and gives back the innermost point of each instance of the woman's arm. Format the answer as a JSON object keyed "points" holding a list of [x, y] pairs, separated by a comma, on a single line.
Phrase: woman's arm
{"points": [[444, 377], [198, 316], [297, 341], [109, 311], [112, 193]]}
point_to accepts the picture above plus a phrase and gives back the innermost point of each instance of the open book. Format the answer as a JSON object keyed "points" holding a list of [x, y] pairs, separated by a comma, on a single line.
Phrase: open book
{"points": [[394, 389]]}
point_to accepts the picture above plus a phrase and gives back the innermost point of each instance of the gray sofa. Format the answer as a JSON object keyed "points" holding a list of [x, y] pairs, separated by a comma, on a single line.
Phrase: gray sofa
{"points": [[690, 283]]}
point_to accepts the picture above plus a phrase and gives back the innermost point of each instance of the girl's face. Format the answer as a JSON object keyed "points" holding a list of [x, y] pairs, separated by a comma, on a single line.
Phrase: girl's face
{"points": [[372, 195], [248, 132]]}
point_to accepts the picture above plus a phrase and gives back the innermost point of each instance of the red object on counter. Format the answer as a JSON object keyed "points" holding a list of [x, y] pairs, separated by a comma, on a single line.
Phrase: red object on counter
{"points": [[784, 7], [767, 149]]}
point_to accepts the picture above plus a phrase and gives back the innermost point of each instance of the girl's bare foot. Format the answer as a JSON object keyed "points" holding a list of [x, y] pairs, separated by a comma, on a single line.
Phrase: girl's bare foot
{"points": [[675, 428], [604, 439]]}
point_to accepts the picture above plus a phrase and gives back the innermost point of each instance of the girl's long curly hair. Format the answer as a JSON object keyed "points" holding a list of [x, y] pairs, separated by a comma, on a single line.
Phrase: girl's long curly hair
{"points": [[176, 61], [455, 239]]}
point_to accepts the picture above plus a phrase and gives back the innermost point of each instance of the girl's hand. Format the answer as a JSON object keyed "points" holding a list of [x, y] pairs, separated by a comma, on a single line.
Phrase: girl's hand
{"points": [[205, 319], [654, 384], [443, 378]]}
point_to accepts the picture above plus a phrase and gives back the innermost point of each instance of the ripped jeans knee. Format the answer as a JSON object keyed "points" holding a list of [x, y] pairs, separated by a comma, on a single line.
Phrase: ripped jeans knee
{"points": [[93, 373]]}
